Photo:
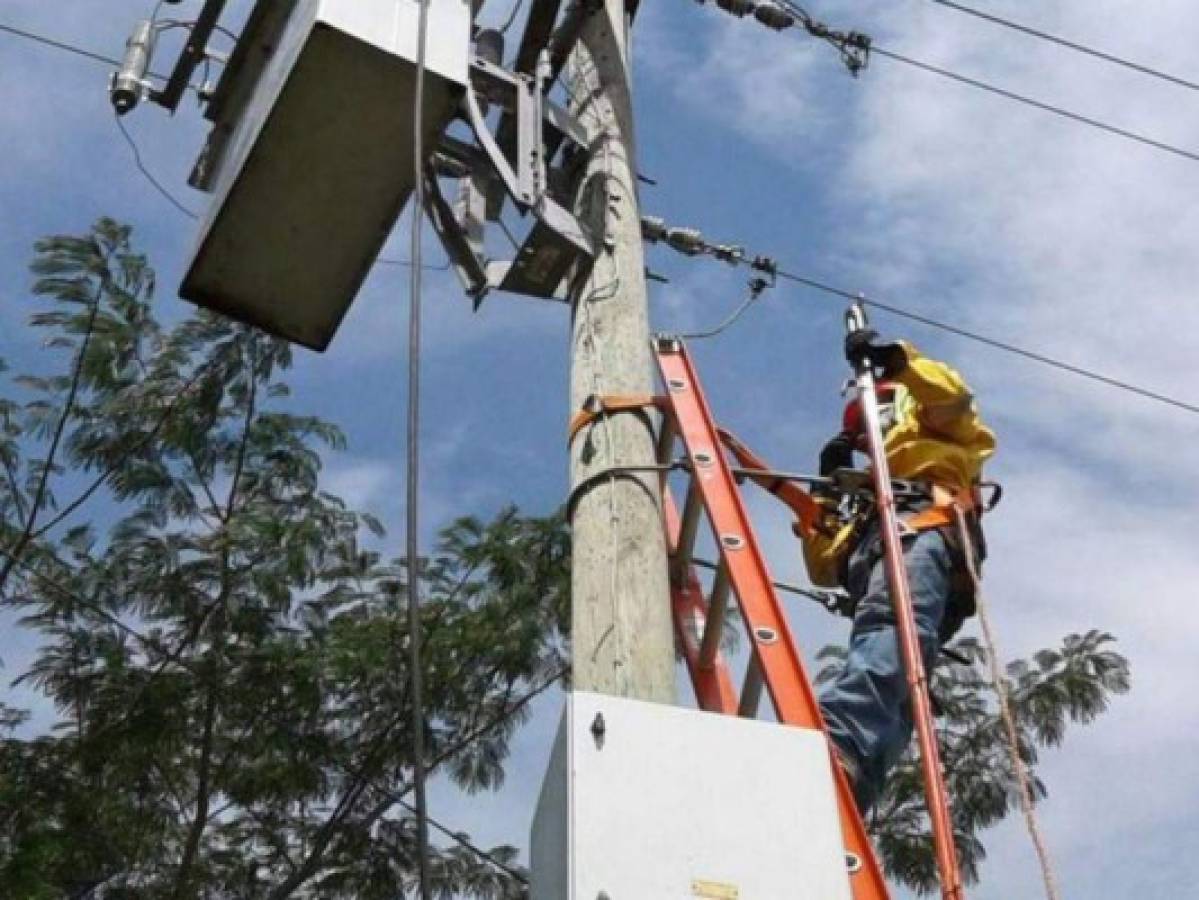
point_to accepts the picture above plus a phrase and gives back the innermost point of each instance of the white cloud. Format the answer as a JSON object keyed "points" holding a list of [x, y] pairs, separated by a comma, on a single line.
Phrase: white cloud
{"points": [[1058, 238]]}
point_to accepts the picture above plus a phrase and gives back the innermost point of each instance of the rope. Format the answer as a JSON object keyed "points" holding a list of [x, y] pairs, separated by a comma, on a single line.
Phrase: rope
{"points": [[1005, 709]]}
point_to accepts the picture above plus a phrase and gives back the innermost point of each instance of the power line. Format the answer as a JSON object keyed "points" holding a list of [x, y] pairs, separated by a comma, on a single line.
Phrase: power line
{"points": [[690, 242], [1037, 104], [990, 342], [862, 46], [1063, 42], [512, 16], [60, 45]]}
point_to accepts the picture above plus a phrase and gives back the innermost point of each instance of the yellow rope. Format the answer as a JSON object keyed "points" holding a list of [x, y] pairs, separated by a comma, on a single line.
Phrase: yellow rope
{"points": [[1005, 709]]}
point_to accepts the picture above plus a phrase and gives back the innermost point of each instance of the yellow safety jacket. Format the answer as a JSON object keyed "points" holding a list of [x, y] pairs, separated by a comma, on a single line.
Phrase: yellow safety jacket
{"points": [[937, 438]]}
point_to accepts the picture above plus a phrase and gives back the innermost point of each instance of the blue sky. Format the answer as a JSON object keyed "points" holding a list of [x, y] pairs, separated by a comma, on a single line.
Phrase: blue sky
{"points": [[927, 194]]}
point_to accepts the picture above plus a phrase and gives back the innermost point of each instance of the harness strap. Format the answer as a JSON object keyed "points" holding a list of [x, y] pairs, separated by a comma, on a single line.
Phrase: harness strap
{"points": [[941, 513], [603, 404]]}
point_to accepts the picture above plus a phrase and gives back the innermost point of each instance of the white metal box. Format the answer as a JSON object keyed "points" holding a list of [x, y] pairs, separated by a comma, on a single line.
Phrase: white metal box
{"points": [[649, 802], [317, 162]]}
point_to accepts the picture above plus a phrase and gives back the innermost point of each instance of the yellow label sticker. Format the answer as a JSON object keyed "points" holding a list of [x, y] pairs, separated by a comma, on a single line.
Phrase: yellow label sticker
{"points": [[714, 890]]}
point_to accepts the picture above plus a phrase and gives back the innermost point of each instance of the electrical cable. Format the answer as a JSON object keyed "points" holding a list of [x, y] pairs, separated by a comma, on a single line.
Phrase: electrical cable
{"points": [[137, 161], [465, 842], [516, 7], [60, 45], [1037, 104], [413, 447], [407, 263], [756, 287], [1063, 42], [691, 243], [856, 48], [991, 342]]}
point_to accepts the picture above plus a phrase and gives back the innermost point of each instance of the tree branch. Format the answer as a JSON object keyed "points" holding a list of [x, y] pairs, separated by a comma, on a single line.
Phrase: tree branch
{"points": [[68, 407]]}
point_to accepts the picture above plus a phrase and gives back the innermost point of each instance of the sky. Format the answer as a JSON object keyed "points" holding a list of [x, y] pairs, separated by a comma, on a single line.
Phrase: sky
{"points": [[958, 205]]}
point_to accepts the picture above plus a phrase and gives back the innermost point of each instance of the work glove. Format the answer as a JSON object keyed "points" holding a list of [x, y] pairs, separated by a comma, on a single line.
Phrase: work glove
{"points": [[889, 359], [836, 454]]}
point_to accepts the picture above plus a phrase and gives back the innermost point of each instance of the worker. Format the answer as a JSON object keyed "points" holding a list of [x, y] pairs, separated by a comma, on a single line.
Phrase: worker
{"points": [[932, 436]]}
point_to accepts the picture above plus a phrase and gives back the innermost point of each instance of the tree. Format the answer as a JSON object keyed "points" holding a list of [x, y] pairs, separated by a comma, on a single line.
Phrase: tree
{"points": [[225, 651], [1048, 692]]}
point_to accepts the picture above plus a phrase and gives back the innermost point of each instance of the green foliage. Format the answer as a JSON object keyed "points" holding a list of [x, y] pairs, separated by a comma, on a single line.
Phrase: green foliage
{"points": [[226, 655], [1047, 693]]}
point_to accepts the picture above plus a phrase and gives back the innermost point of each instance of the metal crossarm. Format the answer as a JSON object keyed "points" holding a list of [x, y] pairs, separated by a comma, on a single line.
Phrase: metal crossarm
{"points": [[775, 666]]}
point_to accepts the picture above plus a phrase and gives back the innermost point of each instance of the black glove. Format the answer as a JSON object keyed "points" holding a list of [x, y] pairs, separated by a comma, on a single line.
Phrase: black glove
{"points": [[864, 346], [837, 454]]}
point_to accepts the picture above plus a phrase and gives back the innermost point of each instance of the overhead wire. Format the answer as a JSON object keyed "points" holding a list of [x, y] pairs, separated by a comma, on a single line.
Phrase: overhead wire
{"points": [[61, 45], [516, 7], [691, 243], [856, 48], [994, 343], [1072, 45], [1037, 104]]}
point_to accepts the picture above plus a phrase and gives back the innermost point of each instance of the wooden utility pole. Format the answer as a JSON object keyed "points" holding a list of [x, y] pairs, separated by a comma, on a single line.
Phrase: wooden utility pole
{"points": [[621, 627]]}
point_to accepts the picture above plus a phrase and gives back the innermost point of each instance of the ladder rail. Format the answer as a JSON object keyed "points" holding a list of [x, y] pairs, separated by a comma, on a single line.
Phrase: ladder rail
{"points": [[774, 651], [712, 683]]}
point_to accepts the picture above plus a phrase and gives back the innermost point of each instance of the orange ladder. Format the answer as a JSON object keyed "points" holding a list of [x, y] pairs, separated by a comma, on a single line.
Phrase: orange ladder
{"points": [[775, 664]]}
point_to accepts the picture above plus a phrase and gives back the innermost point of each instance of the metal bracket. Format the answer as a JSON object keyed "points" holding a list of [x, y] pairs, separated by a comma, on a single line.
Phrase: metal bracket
{"points": [[557, 240]]}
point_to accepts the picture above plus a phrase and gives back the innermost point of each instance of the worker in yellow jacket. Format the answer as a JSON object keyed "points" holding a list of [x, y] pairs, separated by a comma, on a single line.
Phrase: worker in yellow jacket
{"points": [[932, 436]]}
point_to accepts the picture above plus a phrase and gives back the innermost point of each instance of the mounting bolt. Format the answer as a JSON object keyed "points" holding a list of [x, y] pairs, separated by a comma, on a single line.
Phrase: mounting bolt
{"points": [[598, 729]]}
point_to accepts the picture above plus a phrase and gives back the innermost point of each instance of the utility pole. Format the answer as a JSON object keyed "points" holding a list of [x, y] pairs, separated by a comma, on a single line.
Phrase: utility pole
{"points": [[620, 627]]}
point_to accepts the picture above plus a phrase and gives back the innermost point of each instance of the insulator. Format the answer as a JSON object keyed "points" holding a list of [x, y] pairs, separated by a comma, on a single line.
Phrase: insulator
{"points": [[653, 229], [129, 82], [737, 8], [686, 240], [774, 16], [728, 253]]}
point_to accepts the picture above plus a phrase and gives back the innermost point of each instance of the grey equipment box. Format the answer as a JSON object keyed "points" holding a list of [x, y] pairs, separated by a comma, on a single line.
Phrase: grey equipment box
{"points": [[311, 160]]}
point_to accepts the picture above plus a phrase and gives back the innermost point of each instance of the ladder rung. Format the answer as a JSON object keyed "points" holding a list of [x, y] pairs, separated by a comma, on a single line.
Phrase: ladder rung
{"points": [[718, 605], [667, 433], [751, 692], [687, 531]]}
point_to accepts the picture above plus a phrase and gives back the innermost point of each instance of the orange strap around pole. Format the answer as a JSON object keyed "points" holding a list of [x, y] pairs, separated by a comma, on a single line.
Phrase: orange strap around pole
{"points": [[806, 509], [597, 405]]}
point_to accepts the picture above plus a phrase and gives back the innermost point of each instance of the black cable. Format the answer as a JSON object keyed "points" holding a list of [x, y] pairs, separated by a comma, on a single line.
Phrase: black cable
{"points": [[1036, 104], [833, 601], [137, 161], [59, 45], [990, 342], [756, 287], [516, 7], [1081, 48], [461, 839], [413, 479], [856, 49], [407, 263]]}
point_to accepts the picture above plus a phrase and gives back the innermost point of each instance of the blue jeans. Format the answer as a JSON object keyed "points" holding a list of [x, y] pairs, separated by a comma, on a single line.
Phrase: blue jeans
{"points": [[866, 708]]}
